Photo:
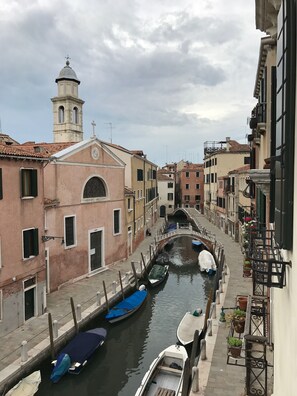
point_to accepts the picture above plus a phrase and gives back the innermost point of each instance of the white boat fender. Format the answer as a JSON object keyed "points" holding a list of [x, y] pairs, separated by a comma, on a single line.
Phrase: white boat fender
{"points": [[141, 287]]}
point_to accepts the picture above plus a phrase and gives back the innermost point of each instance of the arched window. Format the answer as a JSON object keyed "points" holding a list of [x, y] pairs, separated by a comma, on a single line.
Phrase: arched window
{"points": [[95, 188], [61, 114], [75, 115]]}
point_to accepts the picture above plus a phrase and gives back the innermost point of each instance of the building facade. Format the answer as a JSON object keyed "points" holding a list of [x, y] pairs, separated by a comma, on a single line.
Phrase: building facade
{"points": [[219, 159], [22, 266], [166, 191], [190, 180]]}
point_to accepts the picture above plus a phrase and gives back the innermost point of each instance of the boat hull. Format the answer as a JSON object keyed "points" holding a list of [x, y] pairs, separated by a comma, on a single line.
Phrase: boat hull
{"points": [[165, 373], [127, 307], [187, 327], [161, 276]]}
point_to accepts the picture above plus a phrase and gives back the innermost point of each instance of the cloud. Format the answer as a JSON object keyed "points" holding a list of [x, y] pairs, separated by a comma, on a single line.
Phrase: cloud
{"points": [[171, 72]]}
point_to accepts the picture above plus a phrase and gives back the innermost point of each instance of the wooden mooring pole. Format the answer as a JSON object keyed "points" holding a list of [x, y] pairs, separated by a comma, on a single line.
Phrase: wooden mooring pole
{"points": [[121, 283], [106, 298], [74, 314], [51, 335]]}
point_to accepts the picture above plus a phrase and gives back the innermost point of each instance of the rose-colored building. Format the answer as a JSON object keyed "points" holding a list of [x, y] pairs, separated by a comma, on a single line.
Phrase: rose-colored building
{"points": [[190, 180], [22, 266], [84, 201]]}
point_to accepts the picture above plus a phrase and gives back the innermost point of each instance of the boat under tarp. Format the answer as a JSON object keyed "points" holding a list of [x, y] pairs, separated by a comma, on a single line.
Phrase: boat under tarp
{"points": [[157, 274], [207, 262], [27, 386], [77, 352], [127, 306]]}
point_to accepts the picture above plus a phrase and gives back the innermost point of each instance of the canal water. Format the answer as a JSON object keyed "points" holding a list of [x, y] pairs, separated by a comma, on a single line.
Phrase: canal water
{"points": [[118, 367]]}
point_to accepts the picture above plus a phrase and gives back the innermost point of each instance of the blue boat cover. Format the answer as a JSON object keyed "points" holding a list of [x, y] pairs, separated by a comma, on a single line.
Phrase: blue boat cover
{"points": [[196, 243], [79, 349], [128, 305]]}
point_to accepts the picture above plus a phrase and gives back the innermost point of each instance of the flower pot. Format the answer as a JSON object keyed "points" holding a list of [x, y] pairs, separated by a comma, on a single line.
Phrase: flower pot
{"points": [[247, 272], [235, 351], [242, 302]]}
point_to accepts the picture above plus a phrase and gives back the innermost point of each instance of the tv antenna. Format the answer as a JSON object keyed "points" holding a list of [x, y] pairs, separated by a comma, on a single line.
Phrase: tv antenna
{"points": [[111, 128], [93, 126]]}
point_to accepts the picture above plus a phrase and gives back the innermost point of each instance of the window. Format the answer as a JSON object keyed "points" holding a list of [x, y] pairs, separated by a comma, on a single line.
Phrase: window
{"points": [[285, 125], [246, 160], [1, 188], [28, 183], [75, 115], [197, 197], [187, 197], [139, 174], [170, 185], [61, 114], [94, 188], [69, 231], [197, 186], [129, 204], [187, 186], [170, 197], [187, 174], [116, 221], [30, 243], [154, 174], [0, 254], [197, 174]]}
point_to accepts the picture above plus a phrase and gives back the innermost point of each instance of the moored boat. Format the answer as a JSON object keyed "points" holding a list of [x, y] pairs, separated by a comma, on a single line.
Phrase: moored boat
{"points": [[77, 352], [188, 325], [206, 262], [27, 386], [157, 274], [165, 374], [127, 306]]}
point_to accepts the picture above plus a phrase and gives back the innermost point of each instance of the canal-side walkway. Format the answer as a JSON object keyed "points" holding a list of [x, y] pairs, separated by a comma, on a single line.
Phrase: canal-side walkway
{"points": [[216, 377]]}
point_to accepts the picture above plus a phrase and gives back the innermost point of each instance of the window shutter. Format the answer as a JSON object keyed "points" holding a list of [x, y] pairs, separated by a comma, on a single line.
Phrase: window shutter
{"points": [[22, 182], [34, 188], [35, 242], [26, 244]]}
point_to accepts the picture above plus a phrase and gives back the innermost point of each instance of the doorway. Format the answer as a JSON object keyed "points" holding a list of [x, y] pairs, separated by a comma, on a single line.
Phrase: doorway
{"points": [[95, 249], [29, 298]]}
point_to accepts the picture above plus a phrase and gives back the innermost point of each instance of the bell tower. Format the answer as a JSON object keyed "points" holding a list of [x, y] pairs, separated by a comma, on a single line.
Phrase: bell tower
{"points": [[67, 107]]}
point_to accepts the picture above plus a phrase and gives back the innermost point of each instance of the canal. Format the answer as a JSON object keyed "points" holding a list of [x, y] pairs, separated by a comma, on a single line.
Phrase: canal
{"points": [[119, 366]]}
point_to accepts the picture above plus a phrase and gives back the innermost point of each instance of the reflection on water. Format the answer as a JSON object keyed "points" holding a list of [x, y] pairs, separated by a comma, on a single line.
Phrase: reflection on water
{"points": [[118, 367]]}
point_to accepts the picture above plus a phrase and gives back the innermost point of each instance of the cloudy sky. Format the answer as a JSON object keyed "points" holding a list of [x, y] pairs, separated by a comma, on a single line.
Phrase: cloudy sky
{"points": [[167, 75]]}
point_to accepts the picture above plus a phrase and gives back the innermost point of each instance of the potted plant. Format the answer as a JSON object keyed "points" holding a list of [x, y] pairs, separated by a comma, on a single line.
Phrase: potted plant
{"points": [[238, 320], [247, 271], [234, 346]]}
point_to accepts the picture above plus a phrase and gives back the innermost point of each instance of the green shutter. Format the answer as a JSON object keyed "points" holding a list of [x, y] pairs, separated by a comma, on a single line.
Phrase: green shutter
{"points": [[34, 189], [26, 243], [35, 242], [22, 175]]}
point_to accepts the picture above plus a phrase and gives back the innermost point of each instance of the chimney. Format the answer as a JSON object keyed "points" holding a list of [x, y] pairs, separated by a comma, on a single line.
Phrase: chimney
{"points": [[227, 143]]}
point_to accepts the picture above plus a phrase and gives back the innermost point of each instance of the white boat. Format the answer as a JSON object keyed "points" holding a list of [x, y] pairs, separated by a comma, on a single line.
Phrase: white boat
{"points": [[27, 386], [187, 327], [206, 262], [165, 375]]}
